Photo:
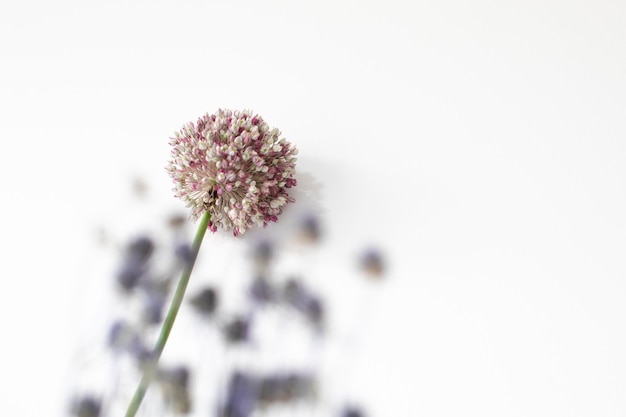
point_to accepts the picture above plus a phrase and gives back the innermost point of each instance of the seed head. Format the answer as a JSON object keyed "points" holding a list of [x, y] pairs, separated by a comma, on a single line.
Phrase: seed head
{"points": [[233, 165]]}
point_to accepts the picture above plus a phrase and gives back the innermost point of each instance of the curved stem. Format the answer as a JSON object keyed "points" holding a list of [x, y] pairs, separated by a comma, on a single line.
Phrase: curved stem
{"points": [[168, 322]]}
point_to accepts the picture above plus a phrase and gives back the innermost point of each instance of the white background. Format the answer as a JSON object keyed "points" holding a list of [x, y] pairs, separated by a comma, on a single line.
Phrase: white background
{"points": [[481, 143]]}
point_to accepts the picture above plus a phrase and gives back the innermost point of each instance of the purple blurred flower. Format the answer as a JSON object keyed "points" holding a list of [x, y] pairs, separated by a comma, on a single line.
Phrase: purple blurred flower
{"points": [[135, 262], [87, 406], [300, 298], [237, 330], [234, 166], [283, 387], [205, 301], [371, 262], [310, 228], [352, 412], [241, 397], [261, 291]]}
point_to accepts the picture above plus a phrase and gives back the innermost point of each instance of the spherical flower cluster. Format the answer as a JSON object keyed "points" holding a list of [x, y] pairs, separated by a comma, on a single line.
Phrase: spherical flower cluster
{"points": [[234, 166]]}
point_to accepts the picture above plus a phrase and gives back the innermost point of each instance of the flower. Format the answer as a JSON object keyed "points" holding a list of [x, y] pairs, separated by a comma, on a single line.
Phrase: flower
{"points": [[234, 166]]}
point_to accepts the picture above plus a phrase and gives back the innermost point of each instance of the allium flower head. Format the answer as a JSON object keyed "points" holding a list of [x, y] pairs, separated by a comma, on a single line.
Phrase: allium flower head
{"points": [[233, 165]]}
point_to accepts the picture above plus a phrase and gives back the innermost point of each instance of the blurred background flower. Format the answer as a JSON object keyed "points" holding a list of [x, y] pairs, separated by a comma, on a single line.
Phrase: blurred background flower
{"points": [[257, 330], [478, 144]]}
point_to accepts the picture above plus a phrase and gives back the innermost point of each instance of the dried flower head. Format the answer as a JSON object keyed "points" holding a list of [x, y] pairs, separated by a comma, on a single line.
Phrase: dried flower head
{"points": [[234, 166]]}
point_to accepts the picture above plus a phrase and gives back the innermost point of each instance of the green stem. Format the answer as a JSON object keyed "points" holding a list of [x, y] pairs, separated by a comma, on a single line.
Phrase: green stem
{"points": [[168, 322]]}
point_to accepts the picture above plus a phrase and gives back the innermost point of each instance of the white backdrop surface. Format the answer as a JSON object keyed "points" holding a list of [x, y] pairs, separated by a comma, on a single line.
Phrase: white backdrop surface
{"points": [[481, 144]]}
